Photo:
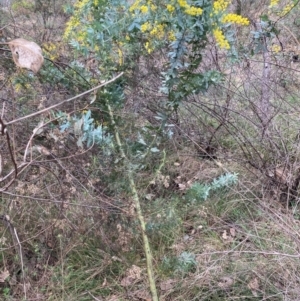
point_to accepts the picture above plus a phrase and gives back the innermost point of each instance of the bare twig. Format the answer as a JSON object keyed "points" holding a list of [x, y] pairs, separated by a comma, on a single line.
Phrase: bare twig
{"points": [[64, 101], [96, 299], [11, 153], [265, 253], [3, 131], [4, 26], [56, 64]]}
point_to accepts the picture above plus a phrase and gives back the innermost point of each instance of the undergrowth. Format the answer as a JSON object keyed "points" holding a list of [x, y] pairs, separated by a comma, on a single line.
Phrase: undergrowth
{"points": [[180, 134]]}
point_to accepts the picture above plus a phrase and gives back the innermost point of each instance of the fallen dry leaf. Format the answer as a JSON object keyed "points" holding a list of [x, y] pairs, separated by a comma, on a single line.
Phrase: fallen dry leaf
{"points": [[166, 182], [181, 186], [142, 294], [227, 238], [281, 175], [26, 54], [128, 280], [225, 282], [253, 285], [167, 285], [4, 275], [232, 232], [224, 235], [132, 275], [113, 298]]}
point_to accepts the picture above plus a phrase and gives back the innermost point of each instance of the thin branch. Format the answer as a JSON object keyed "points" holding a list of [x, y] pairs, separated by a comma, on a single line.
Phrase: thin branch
{"points": [[265, 253], [96, 299], [11, 153], [4, 131], [31, 198], [64, 101], [56, 64], [4, 26]]}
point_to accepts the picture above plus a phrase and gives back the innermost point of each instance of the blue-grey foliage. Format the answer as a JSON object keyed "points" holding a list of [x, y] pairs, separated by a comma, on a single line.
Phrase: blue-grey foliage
{"points": [[201, 192], [85, 130]]}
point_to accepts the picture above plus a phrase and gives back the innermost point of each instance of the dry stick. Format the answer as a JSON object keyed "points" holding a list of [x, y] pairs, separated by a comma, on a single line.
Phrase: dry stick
{"points": [[265, 104], [294, 37], [93, 297], [63, 202], [4, 26], [66, 100], [138, 208]]}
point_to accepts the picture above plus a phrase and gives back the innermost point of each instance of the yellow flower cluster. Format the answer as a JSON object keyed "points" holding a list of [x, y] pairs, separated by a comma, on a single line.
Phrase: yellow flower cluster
{"points": [[74, 21], [158, 31], [220, 39], [148, 47], [80, 4], [170, 8], [153, 7], [121, 58], [234, 18], [193, 11], [286, 10], [145, 27], [273, 3], [19, 87], [171, 36], [81, 36], [135, 6], [183, 3], [190, 10], [220, 5], [276, 48], [71, 26], [51, 50], [144, 9]]}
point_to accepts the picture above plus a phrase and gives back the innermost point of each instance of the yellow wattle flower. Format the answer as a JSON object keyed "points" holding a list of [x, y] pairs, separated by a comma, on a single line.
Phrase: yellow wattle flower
{"points": [[273, 3], [220, 39], [193, 11], [234, 18]]}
